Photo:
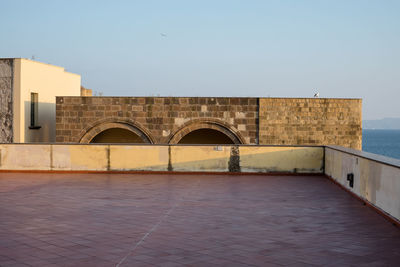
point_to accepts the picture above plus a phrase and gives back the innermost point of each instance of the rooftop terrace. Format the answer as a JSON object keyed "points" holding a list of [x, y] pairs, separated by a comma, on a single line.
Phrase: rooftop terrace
{"points": [[197, 205], [180, 219]]}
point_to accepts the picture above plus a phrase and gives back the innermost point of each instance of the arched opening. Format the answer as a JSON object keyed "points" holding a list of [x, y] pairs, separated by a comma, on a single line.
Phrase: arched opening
{"points": [[206, 136], [206, 131], [117, 135], [111, 131]]}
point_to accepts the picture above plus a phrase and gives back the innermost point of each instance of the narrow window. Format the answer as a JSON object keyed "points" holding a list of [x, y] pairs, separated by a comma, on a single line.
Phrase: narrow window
{"points": [[34, 111]]}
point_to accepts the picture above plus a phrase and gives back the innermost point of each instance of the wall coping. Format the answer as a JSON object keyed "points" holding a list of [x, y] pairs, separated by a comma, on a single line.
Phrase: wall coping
{"points": [[221, 97], [147, 144], [367, 155], [359, 153], [362, 154]]}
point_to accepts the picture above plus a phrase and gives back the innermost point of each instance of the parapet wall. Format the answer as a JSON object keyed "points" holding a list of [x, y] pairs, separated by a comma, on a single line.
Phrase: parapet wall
{"points": [[264, 159], [376, 179]]}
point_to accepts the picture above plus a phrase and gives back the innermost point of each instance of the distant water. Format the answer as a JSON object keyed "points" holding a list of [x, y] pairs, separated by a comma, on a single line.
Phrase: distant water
{"points": [[383, 142]]}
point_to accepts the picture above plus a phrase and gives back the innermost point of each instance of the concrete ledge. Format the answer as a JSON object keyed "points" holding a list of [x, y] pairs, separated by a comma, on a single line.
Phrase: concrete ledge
{"points": [[26, 157], [177, 158], [376, 179], [75, 157], [273, 159], [144, 158], [371, 156]]}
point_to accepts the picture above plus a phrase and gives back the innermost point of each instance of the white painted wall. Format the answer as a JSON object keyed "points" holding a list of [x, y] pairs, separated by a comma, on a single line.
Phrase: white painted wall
{"points": [[48, 81]]}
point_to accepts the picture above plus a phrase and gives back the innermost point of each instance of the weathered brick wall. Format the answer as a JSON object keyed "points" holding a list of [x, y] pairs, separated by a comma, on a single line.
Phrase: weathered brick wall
{"points": [[161, 117], [276, 121], [6, 113], [310, 121]]}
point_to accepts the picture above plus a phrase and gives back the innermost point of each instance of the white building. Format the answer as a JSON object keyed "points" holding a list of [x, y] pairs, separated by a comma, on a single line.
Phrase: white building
{"points": [[28, 91]]}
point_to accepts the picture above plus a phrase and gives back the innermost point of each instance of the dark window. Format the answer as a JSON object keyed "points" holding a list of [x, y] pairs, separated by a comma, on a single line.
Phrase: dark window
{"points": [[206, 136], [34, 111], [117, 135]]}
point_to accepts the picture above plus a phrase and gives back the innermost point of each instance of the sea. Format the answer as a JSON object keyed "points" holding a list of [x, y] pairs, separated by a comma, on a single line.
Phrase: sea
{"points": [[382, 142]]}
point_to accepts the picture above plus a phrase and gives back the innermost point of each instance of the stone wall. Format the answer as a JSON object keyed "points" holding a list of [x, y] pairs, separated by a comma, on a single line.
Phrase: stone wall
{"points": [[6, 110], [311, 121], [162, 120]]}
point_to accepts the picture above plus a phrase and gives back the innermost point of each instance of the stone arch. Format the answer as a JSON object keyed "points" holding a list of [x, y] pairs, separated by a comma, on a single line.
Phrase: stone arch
{"points": [[100, 126], [212, 124]]}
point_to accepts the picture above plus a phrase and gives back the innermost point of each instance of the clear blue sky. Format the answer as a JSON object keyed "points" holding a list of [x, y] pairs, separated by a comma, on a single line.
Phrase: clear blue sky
{"points": [[217, 48]]}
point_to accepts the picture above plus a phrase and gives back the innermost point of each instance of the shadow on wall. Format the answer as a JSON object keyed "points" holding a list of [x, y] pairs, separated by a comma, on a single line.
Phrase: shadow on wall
{"points": [[45, 130], [117, 135], [205, 136], [162, 158], [247, 159]]}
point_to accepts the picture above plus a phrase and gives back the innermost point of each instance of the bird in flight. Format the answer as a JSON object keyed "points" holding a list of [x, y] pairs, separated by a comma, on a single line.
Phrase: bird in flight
{"points": [[163, 34], [316, 94]]}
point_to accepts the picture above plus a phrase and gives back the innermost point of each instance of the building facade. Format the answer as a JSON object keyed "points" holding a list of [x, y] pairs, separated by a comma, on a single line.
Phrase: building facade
{"points": [[209, 120], [28, 92]]}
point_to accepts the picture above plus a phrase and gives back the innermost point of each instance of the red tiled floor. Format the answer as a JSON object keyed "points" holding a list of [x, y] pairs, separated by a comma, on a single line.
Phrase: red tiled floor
{"points": [[187, 220]]}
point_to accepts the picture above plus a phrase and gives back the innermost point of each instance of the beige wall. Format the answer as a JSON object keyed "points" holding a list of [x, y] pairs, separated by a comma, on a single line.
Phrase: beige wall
{"points": [[264, 159], [48, 81], [144, 158], [200, 158], [376, 178], [281, 159], [206, 158]]}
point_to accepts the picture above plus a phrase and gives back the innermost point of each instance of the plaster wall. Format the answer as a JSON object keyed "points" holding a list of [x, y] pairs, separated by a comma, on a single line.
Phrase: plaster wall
{"points": [[25, 157], [201, 158], [48, 81], [376, 178], [145, 158], [80, 158], [229, 158], [281, 159]]}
